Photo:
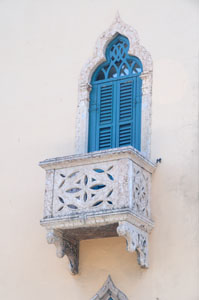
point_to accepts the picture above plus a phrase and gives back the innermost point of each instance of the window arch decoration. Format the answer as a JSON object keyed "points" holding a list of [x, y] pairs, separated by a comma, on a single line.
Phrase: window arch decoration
{"points": [[115, 99], [109, 292], [118, 62], [99, 57]]}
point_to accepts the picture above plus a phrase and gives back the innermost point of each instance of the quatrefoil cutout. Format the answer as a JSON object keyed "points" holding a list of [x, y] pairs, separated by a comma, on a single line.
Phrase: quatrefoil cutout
{"points": [[82, 189]]}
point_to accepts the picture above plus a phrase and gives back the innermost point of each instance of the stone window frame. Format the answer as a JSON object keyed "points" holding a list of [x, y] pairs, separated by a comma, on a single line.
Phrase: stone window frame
{"points": [[109, 290], [135, 49]]}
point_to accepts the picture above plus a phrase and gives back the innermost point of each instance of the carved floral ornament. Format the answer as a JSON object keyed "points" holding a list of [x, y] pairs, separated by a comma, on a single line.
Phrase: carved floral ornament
{"points": [[135, 49]]}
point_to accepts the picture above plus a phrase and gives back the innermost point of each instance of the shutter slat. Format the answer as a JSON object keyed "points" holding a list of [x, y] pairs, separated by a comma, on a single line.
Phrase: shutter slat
{"points": [[105, 88], [125, 107], [105, 109], [124, 96], [125, 92]]}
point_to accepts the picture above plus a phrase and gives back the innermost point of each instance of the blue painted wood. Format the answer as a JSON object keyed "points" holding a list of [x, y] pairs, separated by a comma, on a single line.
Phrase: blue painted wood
{"points": [[115, 99], [105, 116]]}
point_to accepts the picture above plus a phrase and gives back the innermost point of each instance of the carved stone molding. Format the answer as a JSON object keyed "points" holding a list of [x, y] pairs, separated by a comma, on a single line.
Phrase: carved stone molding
{"points": [[65, 247], [109, 290], [141, 191], [136, 49], [137, 240]]}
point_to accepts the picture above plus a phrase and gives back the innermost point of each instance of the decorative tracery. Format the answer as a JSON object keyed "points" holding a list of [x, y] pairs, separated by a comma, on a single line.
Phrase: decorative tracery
{"points": [[119, 63]]}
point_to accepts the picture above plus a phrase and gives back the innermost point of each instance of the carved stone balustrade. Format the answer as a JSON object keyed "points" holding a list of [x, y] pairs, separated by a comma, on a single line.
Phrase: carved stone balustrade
{"points": [[95, 195]]}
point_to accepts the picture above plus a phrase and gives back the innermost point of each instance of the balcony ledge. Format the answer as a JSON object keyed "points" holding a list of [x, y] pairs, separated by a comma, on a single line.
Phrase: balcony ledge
{"points": [[95, 195]]}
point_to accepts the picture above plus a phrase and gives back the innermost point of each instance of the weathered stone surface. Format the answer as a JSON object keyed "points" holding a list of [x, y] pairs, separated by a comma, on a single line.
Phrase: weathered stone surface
{"points": [[137, 240], [64, 246], [109, 290], [95, 195]]}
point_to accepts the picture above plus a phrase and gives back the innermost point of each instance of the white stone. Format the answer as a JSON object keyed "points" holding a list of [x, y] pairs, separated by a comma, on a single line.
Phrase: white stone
{"points": [[93, 190], [137, 240], [109, 290]]}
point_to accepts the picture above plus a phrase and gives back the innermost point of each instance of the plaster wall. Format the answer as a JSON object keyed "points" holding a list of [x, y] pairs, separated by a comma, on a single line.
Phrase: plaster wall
{"points": [[44, 45]]}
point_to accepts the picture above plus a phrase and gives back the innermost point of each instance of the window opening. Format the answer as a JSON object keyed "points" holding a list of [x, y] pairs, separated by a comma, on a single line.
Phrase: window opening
{"points": [[115, 99]]}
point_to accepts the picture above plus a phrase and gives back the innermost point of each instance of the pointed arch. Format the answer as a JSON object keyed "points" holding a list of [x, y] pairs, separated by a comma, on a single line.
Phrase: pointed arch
{"points": [[109, 292], [99, 57], [115, 99]]}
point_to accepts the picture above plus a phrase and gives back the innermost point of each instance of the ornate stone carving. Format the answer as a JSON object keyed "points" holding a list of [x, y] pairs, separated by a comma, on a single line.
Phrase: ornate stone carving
{"points": [[84, 188], [90, 187], [87, 196], [109, 291], [65, 247], [137, 240], [141, 193], [118, 26]]}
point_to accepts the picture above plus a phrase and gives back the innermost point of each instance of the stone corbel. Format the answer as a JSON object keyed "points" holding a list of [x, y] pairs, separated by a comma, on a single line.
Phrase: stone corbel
{"points": [[137, 240], [65, 247]]}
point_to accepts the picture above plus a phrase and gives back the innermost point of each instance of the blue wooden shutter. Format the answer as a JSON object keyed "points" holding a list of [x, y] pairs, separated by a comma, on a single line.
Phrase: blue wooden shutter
{"points": [[115, 114], [125, 113], [92, 120], [129, 113], [105, 117], [138, 113]]}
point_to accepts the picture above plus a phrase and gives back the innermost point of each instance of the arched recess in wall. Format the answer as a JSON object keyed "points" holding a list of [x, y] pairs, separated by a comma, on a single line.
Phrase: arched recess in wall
{"points": [[115, 99], [109, 292], [118, 27]]}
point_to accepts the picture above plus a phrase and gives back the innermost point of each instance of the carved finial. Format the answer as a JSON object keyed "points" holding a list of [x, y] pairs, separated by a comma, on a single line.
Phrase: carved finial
{"points": [[109, 277], [117, 18]]}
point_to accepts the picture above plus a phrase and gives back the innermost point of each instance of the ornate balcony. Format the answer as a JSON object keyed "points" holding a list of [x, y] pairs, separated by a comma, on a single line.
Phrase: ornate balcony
{"points": [[96, 195]]}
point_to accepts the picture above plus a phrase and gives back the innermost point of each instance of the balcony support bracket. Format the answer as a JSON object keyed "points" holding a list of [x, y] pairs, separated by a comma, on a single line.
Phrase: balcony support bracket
{"points": [[137, 240], [70, 248]]}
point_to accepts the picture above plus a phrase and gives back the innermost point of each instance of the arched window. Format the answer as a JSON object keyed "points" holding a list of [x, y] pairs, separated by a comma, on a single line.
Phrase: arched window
{"points": [[115, 99], [88, 100]]}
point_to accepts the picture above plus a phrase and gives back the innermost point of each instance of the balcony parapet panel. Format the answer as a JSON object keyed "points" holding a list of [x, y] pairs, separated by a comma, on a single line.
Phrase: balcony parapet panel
{"points": [[98, 194]]}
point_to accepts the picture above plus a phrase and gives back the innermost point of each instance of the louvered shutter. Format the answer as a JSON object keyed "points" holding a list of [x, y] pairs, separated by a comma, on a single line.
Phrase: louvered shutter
{"points": [[92, 120], [126, 106], [115, 114], [129, 113], [138, 114], [105, 117]]}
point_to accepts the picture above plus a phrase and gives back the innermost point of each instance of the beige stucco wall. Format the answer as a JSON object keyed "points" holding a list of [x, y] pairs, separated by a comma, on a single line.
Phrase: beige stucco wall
{"points": [[44, 44]]}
